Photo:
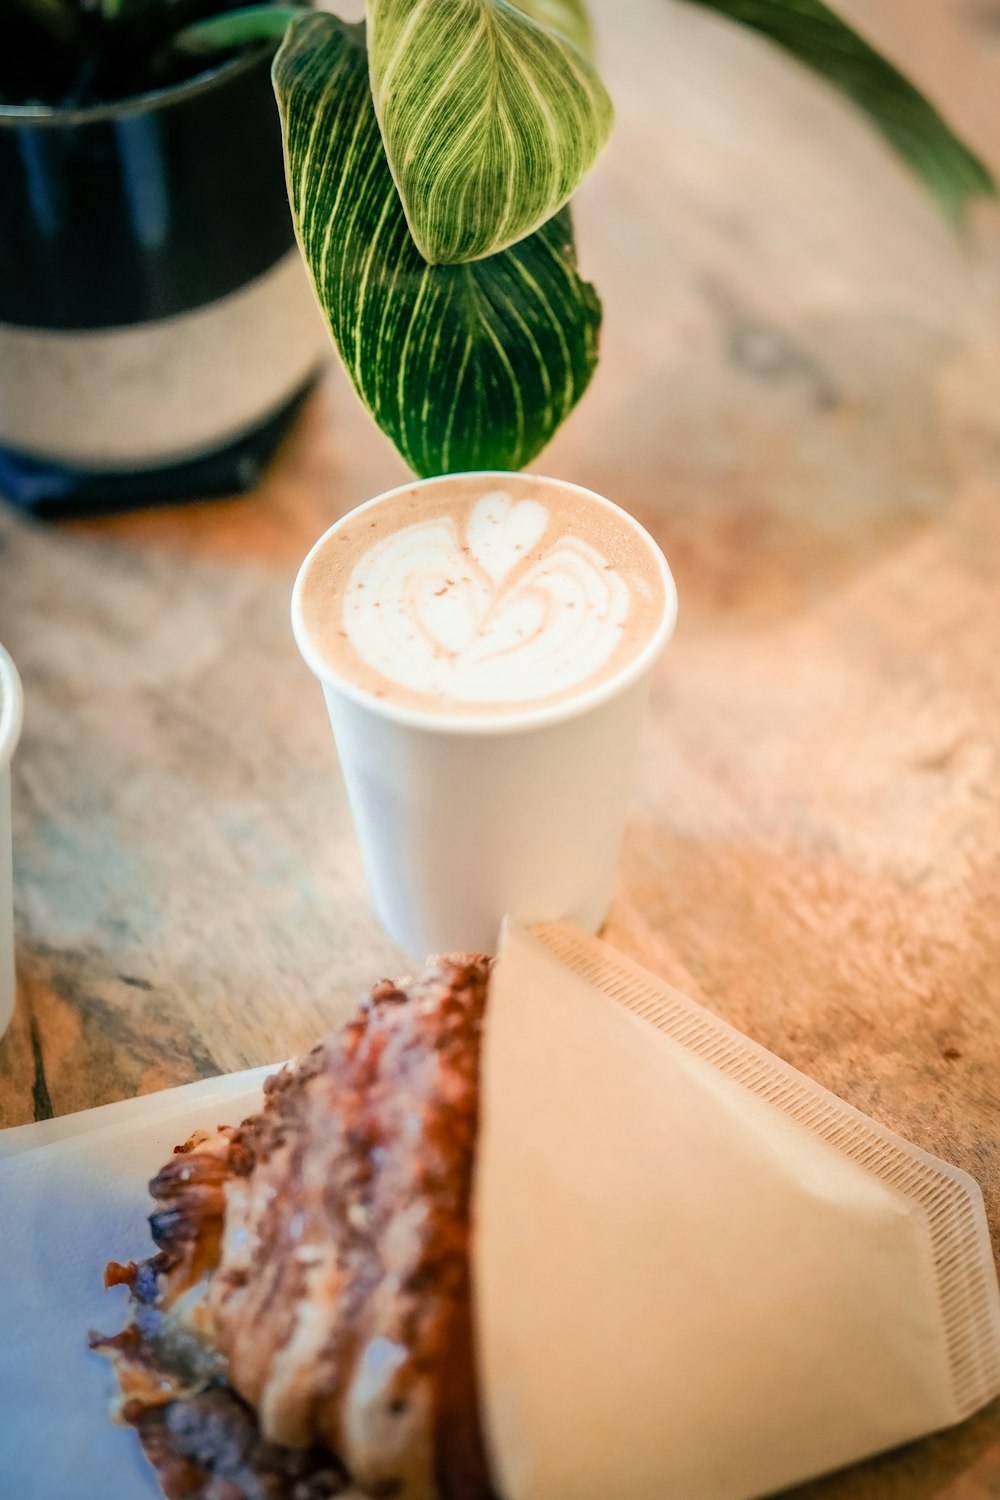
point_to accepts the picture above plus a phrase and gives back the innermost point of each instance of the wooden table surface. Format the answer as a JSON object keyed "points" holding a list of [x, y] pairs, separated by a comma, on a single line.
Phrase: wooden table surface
{"points": [[800, 396]]}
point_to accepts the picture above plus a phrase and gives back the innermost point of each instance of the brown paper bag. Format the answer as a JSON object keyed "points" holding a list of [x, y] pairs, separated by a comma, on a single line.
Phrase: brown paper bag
{"points": [[698, 1275]]}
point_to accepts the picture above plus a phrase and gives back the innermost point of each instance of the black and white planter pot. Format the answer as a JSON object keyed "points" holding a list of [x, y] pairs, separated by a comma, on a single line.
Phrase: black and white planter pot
{"points": [[154, 311]]}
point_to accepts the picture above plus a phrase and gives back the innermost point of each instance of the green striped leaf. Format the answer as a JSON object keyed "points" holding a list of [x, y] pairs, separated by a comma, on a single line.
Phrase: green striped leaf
{"points": [[489, 120], [464, 367], [813, 34], [566, 16]]}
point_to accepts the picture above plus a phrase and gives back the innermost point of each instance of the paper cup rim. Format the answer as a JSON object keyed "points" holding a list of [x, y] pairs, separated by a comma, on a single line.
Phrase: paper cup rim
{"points": [[488, 724], [11, 708]]}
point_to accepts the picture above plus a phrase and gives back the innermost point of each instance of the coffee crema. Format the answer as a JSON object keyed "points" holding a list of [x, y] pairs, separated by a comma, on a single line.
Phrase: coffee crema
{"points": [[482, 594]]}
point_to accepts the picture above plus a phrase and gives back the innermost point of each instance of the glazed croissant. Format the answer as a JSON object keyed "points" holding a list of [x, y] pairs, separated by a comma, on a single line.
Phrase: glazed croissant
{"points": [[305, 1330]]}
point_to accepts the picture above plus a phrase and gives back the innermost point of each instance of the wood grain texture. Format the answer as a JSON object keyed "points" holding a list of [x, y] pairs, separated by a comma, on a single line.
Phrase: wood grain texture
{"points": [[800, 395]]}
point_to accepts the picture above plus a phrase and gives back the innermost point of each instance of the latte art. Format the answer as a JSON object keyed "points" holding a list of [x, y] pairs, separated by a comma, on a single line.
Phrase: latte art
{"points": [[471, 617], [468, 596]]}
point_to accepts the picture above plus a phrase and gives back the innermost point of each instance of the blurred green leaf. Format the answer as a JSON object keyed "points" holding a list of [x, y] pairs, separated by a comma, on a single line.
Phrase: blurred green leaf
{"points": [[464, 367], [489, 121], [566, 16], [236, 28], [816, 36]]}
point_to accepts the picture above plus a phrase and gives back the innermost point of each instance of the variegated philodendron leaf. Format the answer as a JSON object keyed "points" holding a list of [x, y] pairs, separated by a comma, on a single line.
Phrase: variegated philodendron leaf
{"points": [[567, 16], [489, 120], [464, 367], [816, 36]]}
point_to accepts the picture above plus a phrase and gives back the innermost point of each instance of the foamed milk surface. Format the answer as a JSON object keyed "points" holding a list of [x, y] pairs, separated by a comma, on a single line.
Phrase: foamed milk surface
{"points": [[482, 597]]}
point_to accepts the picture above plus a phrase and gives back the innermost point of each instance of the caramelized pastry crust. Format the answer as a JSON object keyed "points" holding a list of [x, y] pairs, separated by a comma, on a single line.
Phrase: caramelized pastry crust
{"points": [[307, 1318]]}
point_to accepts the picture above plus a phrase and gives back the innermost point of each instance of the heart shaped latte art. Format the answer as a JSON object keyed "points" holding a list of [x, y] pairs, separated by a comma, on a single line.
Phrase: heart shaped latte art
{"points": [[485, 613]]}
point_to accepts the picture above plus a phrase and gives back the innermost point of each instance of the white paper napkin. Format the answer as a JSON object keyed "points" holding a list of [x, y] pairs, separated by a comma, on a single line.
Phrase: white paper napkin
{"points": [[73, 1195]]}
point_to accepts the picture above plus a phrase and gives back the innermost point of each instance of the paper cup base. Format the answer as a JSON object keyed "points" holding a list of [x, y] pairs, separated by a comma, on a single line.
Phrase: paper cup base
{"points": [[459, 831]]}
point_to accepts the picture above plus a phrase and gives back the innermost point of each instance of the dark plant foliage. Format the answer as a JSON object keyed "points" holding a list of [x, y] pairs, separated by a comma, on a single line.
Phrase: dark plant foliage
{"points": [[74, 53]]}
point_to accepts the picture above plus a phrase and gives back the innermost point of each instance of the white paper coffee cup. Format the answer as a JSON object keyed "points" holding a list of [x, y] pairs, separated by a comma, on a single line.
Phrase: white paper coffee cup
{"points": [[10, 731], [463, 819]]}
